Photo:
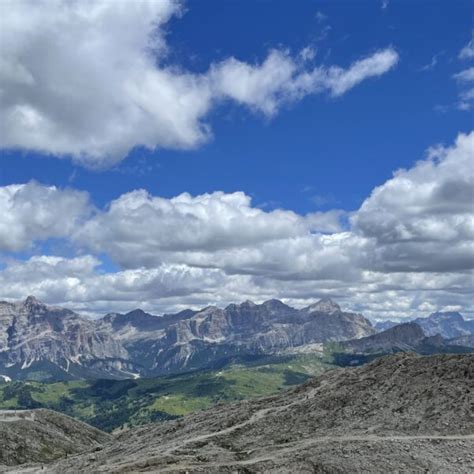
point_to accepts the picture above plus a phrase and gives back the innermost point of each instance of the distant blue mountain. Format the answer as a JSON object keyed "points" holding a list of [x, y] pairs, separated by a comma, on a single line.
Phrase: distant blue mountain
{"points": [[384, 325], [448, 324]]}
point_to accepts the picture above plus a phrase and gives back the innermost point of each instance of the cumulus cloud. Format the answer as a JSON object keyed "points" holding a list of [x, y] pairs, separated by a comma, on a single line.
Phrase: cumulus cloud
{"points": [[31, 212], [80, 79], [206, 222], [422, 219], [207, 230], [90, 80]]}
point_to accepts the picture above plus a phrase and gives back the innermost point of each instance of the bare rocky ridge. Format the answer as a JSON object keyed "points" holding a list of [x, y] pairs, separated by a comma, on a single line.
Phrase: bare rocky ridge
{"points": [[406, 337], [403, 337], [43, 436], [402, 412]]}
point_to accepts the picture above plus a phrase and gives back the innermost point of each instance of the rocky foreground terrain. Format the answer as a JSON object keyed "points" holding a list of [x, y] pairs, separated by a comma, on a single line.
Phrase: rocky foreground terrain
{"points": [[402, 413], [44, 435]]}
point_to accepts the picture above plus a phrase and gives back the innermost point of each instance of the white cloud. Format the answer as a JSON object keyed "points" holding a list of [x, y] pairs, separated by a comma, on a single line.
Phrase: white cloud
{"points": [[280, 79], [321, 17], [262, 87], [81, 80], [468, 51], [211, 230], [88, 80], [422, 219], [466, 96], [30, 212], [340, 80], [465, 76], [431, 65]]}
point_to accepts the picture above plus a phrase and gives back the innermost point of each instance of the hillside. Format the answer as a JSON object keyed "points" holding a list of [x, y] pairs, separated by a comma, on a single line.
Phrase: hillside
{"points": [[401, 412], [401, 337], [44, 435]]}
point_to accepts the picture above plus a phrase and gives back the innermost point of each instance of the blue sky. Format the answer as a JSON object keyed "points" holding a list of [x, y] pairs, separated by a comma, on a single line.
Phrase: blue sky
{"points": [[318, 153]]}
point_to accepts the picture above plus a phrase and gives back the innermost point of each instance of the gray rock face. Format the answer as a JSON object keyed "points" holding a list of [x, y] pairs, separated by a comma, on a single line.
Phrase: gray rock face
{"points": [[248, 329], [39, 338], [325, 305], [446, 324], [465, 341], [401, 413]]}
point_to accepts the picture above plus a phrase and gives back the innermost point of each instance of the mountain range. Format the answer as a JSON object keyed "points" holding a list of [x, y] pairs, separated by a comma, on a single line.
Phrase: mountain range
{"points": [[449, 325], [44, 342], [41, 342]]}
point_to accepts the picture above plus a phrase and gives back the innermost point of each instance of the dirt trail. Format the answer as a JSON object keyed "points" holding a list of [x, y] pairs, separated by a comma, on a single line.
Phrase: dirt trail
{"points": [[9, 416], [282, 451]]}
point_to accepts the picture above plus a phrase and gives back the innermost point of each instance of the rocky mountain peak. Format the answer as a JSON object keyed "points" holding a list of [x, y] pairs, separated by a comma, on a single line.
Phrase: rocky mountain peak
{"points": [[275, 304], [409, 329], [32, 304], [324, 305], [31, 300], [248, 303], [236, 307], [209, 310], [446, 316]]}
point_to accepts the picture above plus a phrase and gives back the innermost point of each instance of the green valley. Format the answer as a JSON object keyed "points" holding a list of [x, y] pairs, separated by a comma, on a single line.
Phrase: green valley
{"points": [[116, 404]]}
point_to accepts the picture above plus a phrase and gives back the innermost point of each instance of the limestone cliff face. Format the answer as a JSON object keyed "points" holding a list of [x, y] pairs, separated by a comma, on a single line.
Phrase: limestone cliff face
{"points": [[248, 329], [34, 335]]}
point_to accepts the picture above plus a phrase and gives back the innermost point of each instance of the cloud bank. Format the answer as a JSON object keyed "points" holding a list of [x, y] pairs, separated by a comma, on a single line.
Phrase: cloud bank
{"points": [[409, 248]]}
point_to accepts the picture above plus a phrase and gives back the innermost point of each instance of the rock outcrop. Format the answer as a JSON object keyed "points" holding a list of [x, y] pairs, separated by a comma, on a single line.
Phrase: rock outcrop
{"points": [[41, 436]]}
